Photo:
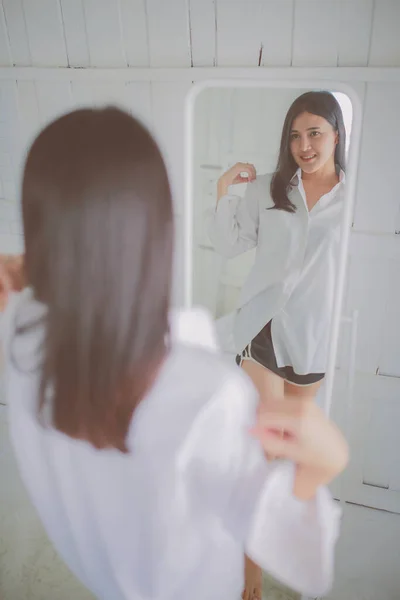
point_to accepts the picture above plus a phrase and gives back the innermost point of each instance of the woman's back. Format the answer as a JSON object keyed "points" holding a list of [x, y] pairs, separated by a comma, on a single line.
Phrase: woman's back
{"points": [[142, 524]]}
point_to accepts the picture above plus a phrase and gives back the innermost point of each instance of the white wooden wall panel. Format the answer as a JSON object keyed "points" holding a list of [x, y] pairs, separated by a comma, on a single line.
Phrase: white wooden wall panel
{"points": [[82, 94], [373, 289], [10, 243], [110, 94], [53, 99], [389, 359], [278, 28], [100, 94], [10, 167], [168, 24], [378, 202], [140, 99], [28, 111], [246, 28], [134, 32], [45, 32], [239, 45], [75, 33], [367, 290], [354, 32], [10, 131], [10, 219], [372, 477], [316, 31], [104, 29], [199, 32], [377, 464], [203, 32], [18, 38], [5, 51], [385, 42], [132, 96]]}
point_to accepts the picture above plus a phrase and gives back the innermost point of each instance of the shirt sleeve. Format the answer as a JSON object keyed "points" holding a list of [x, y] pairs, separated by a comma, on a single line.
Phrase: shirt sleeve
{"points": [[293, 540], [233, 225], [6, 320]]}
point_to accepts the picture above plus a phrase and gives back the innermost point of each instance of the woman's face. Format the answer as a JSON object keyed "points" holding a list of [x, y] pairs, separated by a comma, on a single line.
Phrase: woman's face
{"points": [[312, 142]]}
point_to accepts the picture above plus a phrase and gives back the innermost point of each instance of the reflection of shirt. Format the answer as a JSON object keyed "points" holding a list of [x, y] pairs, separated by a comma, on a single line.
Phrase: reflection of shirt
{"points": [[171, 519], [293, 277]]}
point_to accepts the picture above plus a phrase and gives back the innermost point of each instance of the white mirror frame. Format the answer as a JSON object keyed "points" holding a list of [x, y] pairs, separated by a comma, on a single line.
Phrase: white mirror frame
{"points": [[350, 190]]}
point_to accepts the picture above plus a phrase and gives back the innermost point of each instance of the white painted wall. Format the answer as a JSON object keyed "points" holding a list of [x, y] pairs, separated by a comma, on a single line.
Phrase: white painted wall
{"points": [[184, 33]]}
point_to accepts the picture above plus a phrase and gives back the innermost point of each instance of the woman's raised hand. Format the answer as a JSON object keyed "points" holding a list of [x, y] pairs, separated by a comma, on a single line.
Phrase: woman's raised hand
{"points": [[239, 173], [299, 431], [12, 277]]}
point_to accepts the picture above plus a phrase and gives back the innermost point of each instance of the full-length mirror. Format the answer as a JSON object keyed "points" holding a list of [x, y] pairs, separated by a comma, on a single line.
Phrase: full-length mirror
{"points": [[269, 188], [270, 172]]}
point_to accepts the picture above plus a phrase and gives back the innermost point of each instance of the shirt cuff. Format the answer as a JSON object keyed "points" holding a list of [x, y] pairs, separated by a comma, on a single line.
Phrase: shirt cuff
{"points": [[294, 540], [193, 327]]}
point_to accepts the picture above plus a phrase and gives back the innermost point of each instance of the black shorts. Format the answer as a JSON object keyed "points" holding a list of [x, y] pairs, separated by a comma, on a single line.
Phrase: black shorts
{"points": [[261, 351]]}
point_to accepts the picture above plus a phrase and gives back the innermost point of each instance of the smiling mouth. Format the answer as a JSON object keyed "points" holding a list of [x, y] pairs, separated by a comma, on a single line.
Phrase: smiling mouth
{"points": [[308, 158]]}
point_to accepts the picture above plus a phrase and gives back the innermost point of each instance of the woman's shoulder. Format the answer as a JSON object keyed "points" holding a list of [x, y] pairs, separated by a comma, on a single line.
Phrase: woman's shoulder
{"points": [[259, 190], [261, 182], [198, 384]]}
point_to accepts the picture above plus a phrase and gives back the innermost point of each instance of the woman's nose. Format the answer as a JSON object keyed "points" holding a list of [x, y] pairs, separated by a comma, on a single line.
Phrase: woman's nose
{"points": [[305, 143]]}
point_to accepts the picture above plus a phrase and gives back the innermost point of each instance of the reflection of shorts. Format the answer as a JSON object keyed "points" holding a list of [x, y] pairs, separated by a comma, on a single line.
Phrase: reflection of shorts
{"points": [[261, 351]]}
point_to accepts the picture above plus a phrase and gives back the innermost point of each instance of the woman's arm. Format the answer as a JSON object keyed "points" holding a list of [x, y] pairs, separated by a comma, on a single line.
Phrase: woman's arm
{"points": [[12, 277], [292, 539], [233, 225], [296, 541], [281, 512]]}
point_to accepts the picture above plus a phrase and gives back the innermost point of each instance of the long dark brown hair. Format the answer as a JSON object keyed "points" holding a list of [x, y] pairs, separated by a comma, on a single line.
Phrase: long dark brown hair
{"points": [[322, 104], [98, 226]]}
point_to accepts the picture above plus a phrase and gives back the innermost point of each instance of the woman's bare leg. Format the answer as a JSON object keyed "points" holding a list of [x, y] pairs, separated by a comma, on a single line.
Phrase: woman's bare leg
{"points": [[252, 580], [268, 385], [302, 391]]}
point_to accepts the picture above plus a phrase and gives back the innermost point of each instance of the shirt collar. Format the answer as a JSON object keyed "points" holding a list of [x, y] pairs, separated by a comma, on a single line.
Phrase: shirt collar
{"points": [[297, 177], [297, 181]]}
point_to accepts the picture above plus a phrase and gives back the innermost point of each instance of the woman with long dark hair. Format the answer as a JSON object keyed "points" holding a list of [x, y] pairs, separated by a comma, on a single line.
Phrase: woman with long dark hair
{"points": [[132, 435], [293, 218]]}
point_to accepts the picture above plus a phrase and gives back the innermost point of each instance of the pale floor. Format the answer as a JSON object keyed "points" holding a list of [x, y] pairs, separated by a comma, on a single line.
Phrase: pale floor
{"points": [[368, 558]]}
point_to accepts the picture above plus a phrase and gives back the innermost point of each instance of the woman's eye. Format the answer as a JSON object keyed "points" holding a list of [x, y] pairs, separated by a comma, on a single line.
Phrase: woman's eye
{"points": [[294, 136], [315, 133]]}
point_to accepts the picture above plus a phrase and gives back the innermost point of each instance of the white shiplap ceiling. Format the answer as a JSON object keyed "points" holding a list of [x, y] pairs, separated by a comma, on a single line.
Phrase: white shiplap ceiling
{"points": [[184, 33]]}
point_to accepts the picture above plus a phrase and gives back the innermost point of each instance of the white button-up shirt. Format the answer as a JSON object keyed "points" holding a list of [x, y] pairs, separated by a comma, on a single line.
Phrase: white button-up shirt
{"points": [[171, 519], [293, 277]]}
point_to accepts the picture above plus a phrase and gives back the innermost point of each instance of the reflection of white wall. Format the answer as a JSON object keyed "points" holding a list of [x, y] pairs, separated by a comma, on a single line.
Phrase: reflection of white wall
{"points": [[234, 125], [347, 111]]}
